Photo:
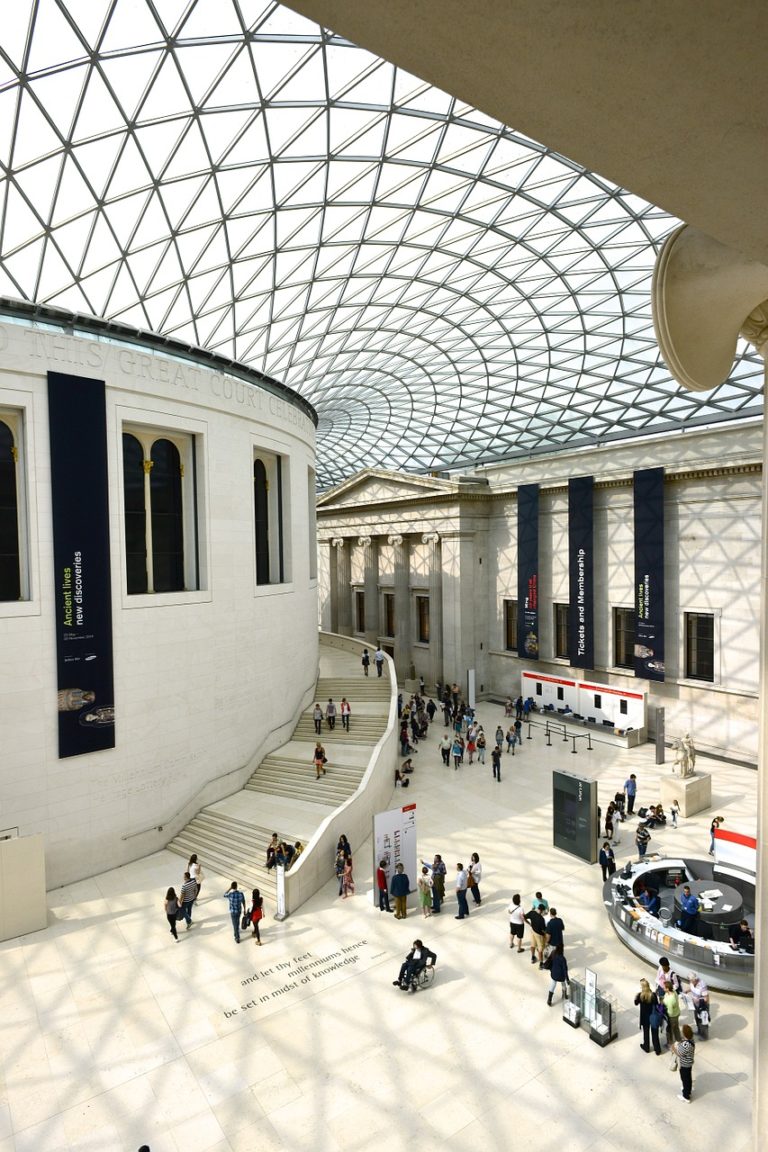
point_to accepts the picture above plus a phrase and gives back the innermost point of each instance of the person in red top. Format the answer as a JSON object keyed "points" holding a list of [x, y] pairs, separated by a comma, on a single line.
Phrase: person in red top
{"points": [[383, 887]]}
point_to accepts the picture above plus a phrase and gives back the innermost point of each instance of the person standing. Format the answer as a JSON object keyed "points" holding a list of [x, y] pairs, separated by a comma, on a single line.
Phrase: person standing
{"points": [[365, 660], [499, 737], [650, 1017], [381, 884], [399, 888], [445, 749], [689, 907], [642, 840], [674, 811], [330, 714], [607, 860], [462, 879], [187, 897], [425, 892], [347, 879], [538, 927], [685, 1051], [236, 907], [630, 791], [378, 657], [256, 914], [558, 972], [317, 717], [481, 742], [431, 709], [672, 1010], [172, 909], [439, 872], [516, 923], [496, 762], [345, 713], [196, 872], [555, 930], [475, 875], [718, 820]]}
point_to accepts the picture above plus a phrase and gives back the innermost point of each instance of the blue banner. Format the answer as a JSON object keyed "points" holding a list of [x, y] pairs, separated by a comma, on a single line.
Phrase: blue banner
{"points": [[649, 573], [528, 571], [581, 612], [82, 583]]}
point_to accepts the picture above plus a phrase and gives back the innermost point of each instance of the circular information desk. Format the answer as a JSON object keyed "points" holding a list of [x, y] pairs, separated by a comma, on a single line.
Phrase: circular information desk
{"points": [[727, 908]]}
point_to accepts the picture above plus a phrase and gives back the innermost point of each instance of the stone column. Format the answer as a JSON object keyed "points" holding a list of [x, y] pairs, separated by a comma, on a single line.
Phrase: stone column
{"points": [[370, 546], [343, 586], [460, 590], [435, 608], [402, 607]]}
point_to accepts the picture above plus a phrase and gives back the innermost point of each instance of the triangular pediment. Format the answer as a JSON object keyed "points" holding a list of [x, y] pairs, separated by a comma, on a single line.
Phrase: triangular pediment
{"points": [[377, 486]]}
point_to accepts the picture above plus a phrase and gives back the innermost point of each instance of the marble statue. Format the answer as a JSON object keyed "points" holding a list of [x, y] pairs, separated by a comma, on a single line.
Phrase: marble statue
{"points": [[685, 756]]}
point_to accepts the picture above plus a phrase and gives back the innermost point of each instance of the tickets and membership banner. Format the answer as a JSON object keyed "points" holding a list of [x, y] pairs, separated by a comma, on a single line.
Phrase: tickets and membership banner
{"points": [[649, 573], [82, 586], [581, 614], [528, 571]]}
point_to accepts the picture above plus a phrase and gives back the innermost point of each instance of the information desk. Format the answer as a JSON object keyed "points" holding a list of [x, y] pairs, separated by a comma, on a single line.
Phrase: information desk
{"points": [[650, 937], [727, 908]]}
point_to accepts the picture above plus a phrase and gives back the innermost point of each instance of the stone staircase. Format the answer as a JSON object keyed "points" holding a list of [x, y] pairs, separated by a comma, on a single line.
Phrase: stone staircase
{"points": [[234, 846], [231, 847]]}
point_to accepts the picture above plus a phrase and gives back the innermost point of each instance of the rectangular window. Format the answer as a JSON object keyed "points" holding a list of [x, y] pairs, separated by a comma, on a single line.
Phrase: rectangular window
{"points": [[271, 507], [359, 611], [312, 521], [623, 707], [510, 625], [560, 694], [561, 631], [699, 646], [160, 507], [624, 637], [598, 701], [389, 614], [422, 619]]}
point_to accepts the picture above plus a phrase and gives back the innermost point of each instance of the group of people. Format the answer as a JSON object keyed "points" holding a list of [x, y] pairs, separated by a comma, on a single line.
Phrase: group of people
{"points": [[547, 939], [178, 906], [415, 717], [242, 916], [430, 887], [280, 852], [344, 710], [343, 867], [660, 1008]]}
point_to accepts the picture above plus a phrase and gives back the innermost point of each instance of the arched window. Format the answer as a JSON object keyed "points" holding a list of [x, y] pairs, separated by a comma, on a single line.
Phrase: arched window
{"points": [[261, 507], [10, 567], [167, 517], [160, 511], [135, 514]]}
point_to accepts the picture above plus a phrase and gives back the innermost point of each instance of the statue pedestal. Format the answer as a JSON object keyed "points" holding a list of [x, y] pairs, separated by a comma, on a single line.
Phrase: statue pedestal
{"points": [[693, 793]]}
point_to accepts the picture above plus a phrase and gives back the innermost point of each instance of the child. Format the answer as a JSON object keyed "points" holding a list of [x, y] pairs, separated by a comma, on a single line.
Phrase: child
{"points": [[674, 811]]}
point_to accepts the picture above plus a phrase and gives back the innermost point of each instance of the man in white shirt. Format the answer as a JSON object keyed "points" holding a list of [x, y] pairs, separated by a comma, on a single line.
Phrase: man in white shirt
{"points": [[461, 891], [378, 658]]}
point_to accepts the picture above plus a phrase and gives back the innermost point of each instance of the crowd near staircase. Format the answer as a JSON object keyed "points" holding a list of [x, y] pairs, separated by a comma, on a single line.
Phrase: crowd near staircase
{"points": [[234, 845]]}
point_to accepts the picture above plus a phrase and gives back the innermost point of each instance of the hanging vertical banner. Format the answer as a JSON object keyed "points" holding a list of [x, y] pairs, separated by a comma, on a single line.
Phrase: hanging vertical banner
{"points": [[581, 613], [649, 573], [528, 571], [82, 587]]}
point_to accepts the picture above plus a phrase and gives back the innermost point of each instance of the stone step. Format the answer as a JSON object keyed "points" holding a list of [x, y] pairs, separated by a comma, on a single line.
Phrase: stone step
{"points": [[323, 791]]}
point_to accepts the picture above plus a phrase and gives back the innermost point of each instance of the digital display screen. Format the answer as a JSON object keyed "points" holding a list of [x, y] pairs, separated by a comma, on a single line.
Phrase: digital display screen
{"points": [[574, 815]]}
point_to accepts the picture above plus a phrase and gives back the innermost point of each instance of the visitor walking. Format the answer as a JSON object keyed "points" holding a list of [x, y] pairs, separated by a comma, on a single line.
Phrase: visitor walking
{"points": [[365, 660], [256, 914], [685, 1051], [172, 910], [378, 657], [236, 907]]}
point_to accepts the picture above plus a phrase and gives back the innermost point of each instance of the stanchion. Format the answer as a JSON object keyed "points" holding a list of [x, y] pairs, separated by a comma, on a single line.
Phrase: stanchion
{"points": [[573, 750], [529, 737]]}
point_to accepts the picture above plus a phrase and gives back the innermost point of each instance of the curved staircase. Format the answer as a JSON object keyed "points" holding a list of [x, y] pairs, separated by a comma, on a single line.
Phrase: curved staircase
{"points": [[283, 794]]}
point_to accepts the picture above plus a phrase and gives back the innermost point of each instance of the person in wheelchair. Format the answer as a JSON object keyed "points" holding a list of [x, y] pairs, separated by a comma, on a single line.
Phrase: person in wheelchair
{"points": [[417, 959]]}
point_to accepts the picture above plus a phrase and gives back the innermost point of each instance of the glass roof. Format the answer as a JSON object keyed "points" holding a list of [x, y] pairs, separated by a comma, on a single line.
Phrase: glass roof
{"points": [[444, 290]]}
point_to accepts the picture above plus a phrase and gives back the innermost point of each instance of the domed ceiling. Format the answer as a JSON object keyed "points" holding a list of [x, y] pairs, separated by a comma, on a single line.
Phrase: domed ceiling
{"points": [[444, 290]]}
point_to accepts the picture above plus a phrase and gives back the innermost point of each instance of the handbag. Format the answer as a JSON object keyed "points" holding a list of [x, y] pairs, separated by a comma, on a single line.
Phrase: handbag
{"points": [[656, 1019], [471, 880], [244, 921]]}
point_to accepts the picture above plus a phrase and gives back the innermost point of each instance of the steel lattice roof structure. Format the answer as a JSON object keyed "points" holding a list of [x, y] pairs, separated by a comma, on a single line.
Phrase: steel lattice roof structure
{"points": [[444, 290]]}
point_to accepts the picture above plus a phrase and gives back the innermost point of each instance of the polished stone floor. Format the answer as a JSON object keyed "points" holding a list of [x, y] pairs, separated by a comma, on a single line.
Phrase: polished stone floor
{"points": [[113, 1035]]}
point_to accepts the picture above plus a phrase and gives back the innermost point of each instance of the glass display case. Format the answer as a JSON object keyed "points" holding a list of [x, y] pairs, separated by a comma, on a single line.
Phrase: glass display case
{"points": [[590, 1009]]}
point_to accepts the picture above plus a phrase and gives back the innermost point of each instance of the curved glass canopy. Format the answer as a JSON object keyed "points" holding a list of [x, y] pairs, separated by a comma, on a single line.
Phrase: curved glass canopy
{"points": [[444, 290]]}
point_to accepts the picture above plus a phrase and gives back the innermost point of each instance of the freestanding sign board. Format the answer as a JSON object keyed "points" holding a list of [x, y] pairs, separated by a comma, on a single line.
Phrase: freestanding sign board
{"points": [[574, 815], [394, 842]]}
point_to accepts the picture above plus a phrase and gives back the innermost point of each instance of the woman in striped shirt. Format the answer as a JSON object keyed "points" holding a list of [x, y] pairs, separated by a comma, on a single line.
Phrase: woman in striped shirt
{"points": [[685, 1050]]}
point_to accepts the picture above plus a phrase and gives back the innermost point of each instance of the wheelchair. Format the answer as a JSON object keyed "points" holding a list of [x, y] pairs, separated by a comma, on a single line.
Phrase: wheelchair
{"points": [[424, 978]]}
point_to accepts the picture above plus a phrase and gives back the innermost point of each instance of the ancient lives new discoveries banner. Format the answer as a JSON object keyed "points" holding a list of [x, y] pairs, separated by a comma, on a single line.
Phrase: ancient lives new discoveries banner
{"points": [[581, 619], [82, 586], [649, 573], [528, 571]]}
